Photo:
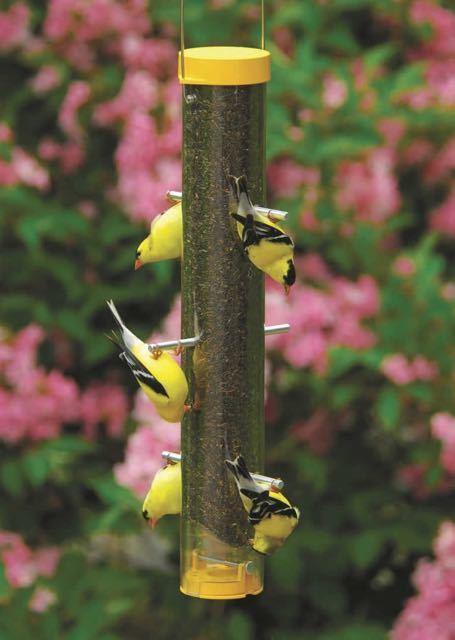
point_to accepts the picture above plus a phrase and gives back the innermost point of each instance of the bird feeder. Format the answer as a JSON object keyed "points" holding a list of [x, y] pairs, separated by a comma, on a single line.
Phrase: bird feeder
{"points": [[224, 92]]}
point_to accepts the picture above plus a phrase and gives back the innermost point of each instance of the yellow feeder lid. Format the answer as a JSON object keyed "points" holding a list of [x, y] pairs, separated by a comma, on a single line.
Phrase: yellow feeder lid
{"points": [[225, 66]]}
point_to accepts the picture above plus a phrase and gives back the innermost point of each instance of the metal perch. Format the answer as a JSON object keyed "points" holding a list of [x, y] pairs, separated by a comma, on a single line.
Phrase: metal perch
{"points": [[274, 214], [186, 343], [275, 483]]}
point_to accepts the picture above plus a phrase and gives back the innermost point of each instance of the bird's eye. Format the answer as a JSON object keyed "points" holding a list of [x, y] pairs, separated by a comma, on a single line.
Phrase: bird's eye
{"points": [[138, 255], [145, 515]]}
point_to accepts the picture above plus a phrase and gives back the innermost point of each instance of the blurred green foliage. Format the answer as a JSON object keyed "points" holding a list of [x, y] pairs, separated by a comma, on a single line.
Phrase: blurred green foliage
{"points": [[344, 575]]}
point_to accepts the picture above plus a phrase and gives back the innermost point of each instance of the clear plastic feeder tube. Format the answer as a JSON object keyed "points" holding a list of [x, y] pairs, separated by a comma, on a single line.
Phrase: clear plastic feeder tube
{"points": [[223, 298]]}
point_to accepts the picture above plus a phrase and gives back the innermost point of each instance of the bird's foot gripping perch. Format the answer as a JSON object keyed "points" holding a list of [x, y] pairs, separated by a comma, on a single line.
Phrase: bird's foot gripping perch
{"points": [[178, 350], [156, 353]]}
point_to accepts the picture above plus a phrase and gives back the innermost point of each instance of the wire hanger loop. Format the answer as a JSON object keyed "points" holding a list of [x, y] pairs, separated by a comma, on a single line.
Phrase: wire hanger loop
{"points": [[182, 33]]}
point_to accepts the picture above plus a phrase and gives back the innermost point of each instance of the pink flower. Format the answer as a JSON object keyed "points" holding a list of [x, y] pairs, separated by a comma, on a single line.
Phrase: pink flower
{"points": [[312, 266], [6, 135], [442, 22], [441, 164], [398, 369], [443, 428], [34, 403], [404, 266], [42, 599], [143, 452], [424, 369], [369, 187], [8, 176], [443, 217], [28, 170], [317, 431], [334, 92], [22, 565], [286, 177], [45, 80], [159, 57], [13, 26], [140, 92], [431, 613], [103, 402], [308, 349], [392, 129], [77, 95], [46, 561]]}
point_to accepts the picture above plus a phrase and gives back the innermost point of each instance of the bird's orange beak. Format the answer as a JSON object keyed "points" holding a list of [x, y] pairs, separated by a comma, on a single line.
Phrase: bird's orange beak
{"points": [[153, 522], [137, 264]]}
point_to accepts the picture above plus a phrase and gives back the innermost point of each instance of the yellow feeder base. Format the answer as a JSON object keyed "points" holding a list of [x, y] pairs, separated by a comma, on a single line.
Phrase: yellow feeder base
{"points": [[216, 580]]}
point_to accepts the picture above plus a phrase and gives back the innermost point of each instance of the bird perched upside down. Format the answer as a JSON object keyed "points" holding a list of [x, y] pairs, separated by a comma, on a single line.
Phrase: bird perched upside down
{"points": [[271, 514], [165, 494], [265, 243], [164, 240], [158, 375]]}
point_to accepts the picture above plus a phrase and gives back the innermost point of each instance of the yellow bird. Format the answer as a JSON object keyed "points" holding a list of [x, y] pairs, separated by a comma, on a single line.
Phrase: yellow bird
{"points": [[271, 514], [265, 243], [165, 494], [157, 373], [164, 240]]}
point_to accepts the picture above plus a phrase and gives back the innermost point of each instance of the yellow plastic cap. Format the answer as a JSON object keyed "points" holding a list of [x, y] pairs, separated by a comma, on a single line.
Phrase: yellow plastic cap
{"points": [[225, 66]]}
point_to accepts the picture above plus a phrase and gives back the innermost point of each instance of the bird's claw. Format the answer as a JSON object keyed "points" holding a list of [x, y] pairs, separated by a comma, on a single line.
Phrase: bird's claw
{"points": [[156, 353], [178, 350]]}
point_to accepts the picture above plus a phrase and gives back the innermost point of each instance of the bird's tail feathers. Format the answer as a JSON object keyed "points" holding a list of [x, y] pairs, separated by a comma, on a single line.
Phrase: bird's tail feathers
{"points": [[116, 338], [115, 313], [241, 474]]}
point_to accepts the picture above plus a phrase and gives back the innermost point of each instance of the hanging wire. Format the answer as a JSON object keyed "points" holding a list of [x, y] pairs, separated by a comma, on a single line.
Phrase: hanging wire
{"points": [[182, 33], [262, 24], [182, 38]]}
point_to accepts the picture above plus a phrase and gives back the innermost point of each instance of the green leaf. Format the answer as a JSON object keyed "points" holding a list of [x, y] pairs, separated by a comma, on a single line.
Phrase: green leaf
{"points": [[36, 467], [388, 408], [12, 478], [239, 627]]}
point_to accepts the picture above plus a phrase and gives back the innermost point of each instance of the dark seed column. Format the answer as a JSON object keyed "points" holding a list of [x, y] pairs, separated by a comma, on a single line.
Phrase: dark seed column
{"points": [[223, 298]]}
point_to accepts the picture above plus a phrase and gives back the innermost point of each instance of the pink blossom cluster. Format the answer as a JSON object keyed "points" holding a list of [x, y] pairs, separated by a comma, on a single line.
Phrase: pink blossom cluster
{"points": [[103, 403], [317, 432], [21, 168], [143, 452], [369, 187], [334, 91], [77, 95], [438, 52], [443, 428], [413, 478], [431, 613], [77, 27], [400, 370], [443, 217], [14, 26], [286, 177], [322, 317], [36, 403], [22, 565]]}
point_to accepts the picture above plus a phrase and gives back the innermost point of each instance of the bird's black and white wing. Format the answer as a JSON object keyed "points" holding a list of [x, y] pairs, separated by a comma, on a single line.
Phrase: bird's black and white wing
{"points": [[264, 506], [254, 231], [142, 374]]}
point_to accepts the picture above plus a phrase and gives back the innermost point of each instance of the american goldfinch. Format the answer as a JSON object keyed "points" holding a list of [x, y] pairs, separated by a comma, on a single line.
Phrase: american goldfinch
{"points": [[164, 240], [158, 375], [165, 494], [271, 514], [265, 243]]}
